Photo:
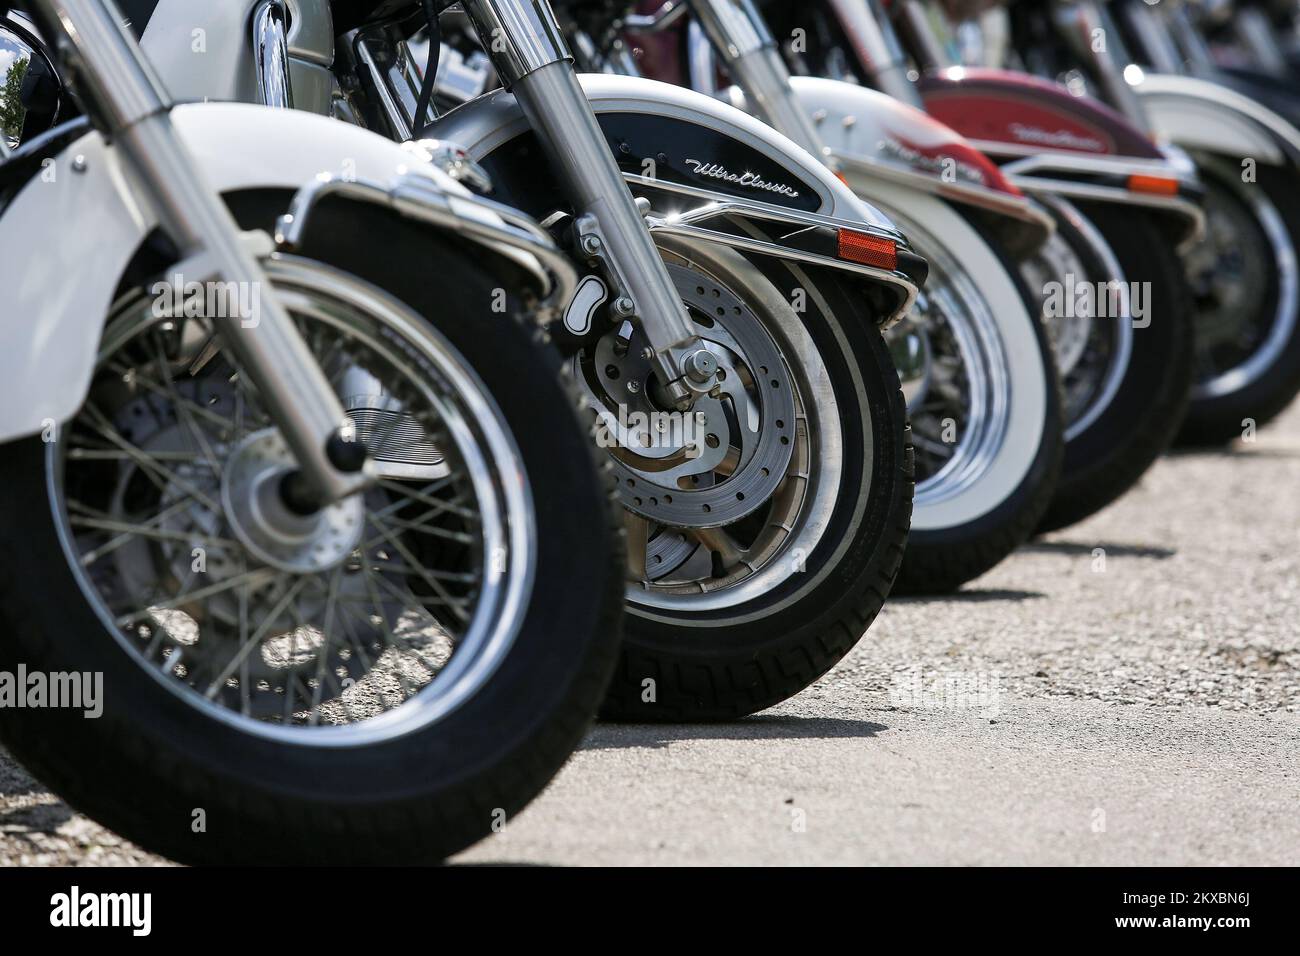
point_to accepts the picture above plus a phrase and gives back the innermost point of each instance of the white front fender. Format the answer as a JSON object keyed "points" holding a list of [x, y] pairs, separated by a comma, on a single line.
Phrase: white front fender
{"points": [[68, 236], [1200, 115]]}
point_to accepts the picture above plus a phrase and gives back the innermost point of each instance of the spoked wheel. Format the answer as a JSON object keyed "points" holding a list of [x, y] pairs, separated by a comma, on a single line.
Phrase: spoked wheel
{"points": [[331, 620], [983, 401], [766, 524], [356, 682], [1246, 286], [1117, 307]]}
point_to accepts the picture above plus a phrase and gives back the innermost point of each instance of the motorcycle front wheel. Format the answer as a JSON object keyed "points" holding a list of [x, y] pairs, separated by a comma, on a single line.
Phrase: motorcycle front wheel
{"points": [[1246, 289], [983, 398], [766, 526], [388, 686]]}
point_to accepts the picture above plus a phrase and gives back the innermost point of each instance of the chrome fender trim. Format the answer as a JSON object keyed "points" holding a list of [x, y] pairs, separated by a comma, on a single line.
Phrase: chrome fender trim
{"points": [[415, 196], [1104, 179], [492, 120], [860, 126]]}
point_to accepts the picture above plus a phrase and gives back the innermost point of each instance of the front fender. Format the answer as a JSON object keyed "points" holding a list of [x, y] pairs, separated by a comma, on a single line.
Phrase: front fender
{"points": [[72, 230], [881, 145], [1052, 143], [1202, 115], [708, 162], [683, 131]]}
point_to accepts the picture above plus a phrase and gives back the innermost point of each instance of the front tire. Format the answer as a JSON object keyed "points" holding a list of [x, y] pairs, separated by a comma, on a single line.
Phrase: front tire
{"points": [[1246, 283], [986, 410], [167, 768], [754, 612], [1123, 416]]}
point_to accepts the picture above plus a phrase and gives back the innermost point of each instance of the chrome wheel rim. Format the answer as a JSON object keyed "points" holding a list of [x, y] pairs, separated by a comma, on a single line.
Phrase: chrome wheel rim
{"points": [[781, 418], [961, 411], [378, 639], [1092, 351], [1228, 273]]}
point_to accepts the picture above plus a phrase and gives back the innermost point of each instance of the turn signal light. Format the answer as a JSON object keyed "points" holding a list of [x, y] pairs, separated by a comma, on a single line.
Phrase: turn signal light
{"points": [[868, 250], [1158, 185]]}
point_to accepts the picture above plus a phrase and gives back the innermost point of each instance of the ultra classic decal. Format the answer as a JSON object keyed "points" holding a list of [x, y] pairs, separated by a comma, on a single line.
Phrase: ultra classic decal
{"points": [[748, 180]]}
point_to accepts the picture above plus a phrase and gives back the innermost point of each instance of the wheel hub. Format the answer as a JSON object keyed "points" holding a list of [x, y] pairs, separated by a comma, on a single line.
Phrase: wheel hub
{"points": [[724, 458], [254, 506]]}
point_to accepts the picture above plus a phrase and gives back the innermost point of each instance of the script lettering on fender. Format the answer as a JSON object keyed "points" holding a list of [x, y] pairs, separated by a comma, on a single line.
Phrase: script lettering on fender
{"points": [[748, 180]]}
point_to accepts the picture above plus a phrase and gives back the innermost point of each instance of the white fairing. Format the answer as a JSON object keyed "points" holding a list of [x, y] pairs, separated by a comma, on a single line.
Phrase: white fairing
{"points": [[68, 237], [1199, 115]]}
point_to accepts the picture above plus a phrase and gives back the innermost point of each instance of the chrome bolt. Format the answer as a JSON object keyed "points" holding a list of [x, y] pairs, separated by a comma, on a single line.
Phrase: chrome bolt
{"points": [[633, 387], [591, 245], [623, 307], [700, 366]]}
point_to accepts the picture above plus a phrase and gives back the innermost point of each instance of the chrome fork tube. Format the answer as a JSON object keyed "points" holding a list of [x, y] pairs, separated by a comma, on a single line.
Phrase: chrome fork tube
{"points": [[926, 47], [1077, 23], [871, 35], [529, 53], [1252, 29], [742, 40], [127, 100]]}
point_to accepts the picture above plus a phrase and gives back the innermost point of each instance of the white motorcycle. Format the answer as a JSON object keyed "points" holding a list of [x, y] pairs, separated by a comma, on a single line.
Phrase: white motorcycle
{"points": [[329, 539]]}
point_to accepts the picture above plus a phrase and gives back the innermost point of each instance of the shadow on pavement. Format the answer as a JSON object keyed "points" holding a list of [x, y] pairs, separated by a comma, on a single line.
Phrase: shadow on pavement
{"points": [[1112, 549], [776, 727], [969, 596]]}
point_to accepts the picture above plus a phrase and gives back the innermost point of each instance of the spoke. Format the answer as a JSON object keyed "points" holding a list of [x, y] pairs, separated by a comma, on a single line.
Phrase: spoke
{"points": [[425, 575], [322, 653], [261, 575], [638, 539], [449, 506], [720, 542], [127, 531], [172, 394], [417, 526], [153, 469], [256, 640]]}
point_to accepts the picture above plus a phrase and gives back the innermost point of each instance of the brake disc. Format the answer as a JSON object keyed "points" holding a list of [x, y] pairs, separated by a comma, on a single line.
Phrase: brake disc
{"points": [[724, 458]]}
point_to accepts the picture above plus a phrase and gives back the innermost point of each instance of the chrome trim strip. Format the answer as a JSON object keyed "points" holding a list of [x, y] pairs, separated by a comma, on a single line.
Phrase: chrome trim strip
{"points": [[762, 210], [396, 117], [686, 225], [1174, 205], [417, 197], [271, 54]]}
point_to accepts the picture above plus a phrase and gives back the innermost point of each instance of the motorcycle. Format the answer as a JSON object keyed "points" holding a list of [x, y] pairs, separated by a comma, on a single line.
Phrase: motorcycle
{"points": [[298, 532], [983, 396], [726, 330], [1108, 282], [1246, 289]]}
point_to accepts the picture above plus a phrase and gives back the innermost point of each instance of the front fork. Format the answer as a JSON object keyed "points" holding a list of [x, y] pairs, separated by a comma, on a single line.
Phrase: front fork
{"points": [[127, 102], [533, 62], [740, 37]]}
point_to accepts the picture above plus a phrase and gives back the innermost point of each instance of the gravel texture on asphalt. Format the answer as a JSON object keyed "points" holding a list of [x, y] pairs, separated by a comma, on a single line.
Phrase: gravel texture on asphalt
{"points": [[1125, 691]]}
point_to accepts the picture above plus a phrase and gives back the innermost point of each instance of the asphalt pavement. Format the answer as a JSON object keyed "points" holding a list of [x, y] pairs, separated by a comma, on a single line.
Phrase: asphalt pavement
{"points": [[1126, 691]]}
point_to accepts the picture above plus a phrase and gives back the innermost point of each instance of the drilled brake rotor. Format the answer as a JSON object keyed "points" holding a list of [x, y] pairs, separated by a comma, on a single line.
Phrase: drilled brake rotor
{"points": [[724, 458]]}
